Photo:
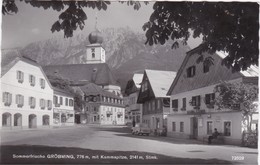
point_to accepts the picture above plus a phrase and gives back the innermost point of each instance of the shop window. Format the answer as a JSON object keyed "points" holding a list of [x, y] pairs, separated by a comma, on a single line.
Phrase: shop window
{"points": [[227, 128]]}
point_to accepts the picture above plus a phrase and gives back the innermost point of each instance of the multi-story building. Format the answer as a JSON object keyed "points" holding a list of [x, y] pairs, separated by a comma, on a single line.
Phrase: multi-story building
{"points": [[26, 95], [132, 107], [152, 96], [101, 107], [63, 110], [192, 110]]}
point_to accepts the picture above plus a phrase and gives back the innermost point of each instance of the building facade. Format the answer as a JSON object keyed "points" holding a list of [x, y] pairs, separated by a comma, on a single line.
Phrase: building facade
{"points": [[101, 107], [26, 95], [132, 107], [63, 110], [152, 96], [192, 110]]}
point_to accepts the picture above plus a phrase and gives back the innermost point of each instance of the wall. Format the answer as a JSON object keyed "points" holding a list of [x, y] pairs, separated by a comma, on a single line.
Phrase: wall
{"points": [[10, 84], [113, 119]]}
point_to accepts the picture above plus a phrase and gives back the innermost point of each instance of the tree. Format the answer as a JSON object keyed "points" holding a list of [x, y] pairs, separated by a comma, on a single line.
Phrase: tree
{"points": [[230, 27], [238, 96], [224, 26]]}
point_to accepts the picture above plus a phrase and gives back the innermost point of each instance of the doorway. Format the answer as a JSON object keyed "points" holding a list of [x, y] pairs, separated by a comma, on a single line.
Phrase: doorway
{"points": [[194, 127], [32, 121]]}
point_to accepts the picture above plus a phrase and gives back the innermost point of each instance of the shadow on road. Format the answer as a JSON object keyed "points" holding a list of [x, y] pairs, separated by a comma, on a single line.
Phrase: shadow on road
{"points": [[36, 154], [126, 132]]}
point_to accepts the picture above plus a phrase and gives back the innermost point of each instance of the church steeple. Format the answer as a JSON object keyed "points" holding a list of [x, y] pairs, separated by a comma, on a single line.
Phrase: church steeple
{"points": [[95, 51]]}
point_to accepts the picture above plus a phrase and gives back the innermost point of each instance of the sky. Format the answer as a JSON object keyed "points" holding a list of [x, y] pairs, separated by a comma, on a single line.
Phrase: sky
{"points": [[33, 24]]}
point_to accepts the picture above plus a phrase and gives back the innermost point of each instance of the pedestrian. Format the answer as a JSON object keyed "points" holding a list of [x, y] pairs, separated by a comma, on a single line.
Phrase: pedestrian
{"points": [[213, 136]]}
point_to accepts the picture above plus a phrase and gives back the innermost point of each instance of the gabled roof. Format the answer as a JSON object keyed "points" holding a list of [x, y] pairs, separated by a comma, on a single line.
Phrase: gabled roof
{"points": [[99, 74], [160, 81], [253, 71], [7, 63], [93, 89]]}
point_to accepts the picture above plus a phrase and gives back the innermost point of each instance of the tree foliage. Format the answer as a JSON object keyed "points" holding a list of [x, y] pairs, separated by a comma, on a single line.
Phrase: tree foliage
{"points": [[231, 27], [72, 16], [224, 26], [245, 95]]}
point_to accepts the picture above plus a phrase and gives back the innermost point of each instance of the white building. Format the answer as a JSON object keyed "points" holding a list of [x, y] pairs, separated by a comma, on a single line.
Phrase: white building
{"points": [[192, 113], [101, 107], [63, 110], [26, 95]]}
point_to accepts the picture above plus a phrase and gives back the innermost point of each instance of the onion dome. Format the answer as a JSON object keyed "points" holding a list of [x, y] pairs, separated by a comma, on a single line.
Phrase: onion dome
{"points": [[95, 37]]}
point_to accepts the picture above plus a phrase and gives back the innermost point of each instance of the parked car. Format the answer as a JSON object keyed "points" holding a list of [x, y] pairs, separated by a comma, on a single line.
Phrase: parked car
{"points": [[141, 129]]}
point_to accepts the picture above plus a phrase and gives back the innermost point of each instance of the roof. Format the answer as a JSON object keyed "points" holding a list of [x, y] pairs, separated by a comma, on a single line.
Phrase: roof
{"points": [[93, 89], [251, 72], [137, 78], [64, 91], [7, 63], [160, 81], [99, 74]]}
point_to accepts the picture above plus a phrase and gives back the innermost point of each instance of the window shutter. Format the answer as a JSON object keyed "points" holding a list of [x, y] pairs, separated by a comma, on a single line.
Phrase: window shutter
{"points": [[3, 97], [34, 102], [16, 99], [10, 98], [198, 104], [22, 100], [30, 101]]}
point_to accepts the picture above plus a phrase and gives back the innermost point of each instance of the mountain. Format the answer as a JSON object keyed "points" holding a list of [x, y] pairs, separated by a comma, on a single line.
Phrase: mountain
{"points": [[126, 52]]}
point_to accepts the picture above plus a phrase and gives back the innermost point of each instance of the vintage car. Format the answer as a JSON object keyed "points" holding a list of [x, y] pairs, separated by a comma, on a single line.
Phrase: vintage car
{"points": [[141, 129]]}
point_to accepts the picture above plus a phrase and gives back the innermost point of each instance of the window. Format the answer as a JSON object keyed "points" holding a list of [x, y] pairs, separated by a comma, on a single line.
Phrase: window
{"points": [[183, 104], [209, 127], [55, 100], [71, 102], [66, 101], [42, 103], [175, 105], [195, 101], [227, 128], [49, 104], [153, 105], [173, 126], [181, 126], [93, 52], [7, 98], [20, 76], [19, 100], [205, 68], [32, 102], [31, 80], [61, 100], [209, 100], [191, 71], [42, 83], [158, 104]]}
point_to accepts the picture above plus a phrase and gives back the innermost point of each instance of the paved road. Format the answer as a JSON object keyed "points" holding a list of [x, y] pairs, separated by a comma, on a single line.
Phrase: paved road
{"points": [[120, 139]]}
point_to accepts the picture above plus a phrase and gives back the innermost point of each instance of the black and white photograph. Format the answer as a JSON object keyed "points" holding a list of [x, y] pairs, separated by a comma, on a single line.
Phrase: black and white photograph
{"points": [[129, 82]]}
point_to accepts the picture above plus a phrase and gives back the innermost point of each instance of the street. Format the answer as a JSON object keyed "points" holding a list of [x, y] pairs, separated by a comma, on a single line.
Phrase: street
{"points": [[113, 144]]}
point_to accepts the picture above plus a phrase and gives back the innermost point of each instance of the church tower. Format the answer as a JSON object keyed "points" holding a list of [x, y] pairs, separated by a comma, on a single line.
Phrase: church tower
{"points": [[95, 51]]}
